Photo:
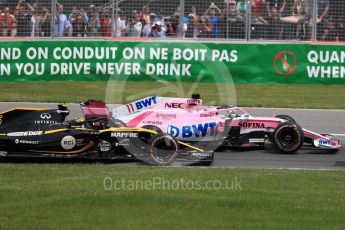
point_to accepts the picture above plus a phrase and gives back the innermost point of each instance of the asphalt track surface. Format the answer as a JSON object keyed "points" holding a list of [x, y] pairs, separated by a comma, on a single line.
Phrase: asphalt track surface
{"points": [[322, 121]]}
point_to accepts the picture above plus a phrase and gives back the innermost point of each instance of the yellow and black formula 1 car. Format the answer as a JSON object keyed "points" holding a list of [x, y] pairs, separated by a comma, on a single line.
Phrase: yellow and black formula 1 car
{"points": [[46, 133]]}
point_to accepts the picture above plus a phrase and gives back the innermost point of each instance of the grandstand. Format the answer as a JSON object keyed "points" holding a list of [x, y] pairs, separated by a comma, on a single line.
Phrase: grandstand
{"points": [[307, 20]]}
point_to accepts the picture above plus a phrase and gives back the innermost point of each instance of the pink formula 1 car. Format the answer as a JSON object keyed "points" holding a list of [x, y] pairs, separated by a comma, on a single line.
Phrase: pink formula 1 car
{"points": [[188, 120]]}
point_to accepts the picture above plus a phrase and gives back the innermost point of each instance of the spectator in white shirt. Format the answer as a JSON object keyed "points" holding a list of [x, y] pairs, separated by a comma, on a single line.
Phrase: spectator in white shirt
{"points": [[61, 22], [119, 27]]}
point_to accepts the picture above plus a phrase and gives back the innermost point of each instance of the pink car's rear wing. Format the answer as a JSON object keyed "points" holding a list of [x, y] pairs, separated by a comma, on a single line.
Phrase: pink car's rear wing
{"points": [[94, 109]]}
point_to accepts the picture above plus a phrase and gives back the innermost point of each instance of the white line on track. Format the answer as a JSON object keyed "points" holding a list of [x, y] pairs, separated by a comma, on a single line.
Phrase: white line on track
{"points": [[255, 168]]}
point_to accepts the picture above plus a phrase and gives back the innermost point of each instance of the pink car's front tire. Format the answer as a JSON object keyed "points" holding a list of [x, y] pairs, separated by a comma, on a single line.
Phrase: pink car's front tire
{"points": [[288, 137]]}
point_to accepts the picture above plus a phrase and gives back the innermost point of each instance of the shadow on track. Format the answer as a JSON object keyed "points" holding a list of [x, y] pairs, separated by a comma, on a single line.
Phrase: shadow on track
{"points": [[46, 160]]}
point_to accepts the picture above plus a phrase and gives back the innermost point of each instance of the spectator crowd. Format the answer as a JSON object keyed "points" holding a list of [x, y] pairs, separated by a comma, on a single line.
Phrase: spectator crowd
{"points": [[269, 19]]}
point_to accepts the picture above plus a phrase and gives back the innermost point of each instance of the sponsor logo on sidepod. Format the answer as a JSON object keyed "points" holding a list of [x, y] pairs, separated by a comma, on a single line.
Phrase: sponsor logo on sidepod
{"points": [[124, 134], [104, 146], [68, 142], [252, 125], [25, 133], [199, 130]]}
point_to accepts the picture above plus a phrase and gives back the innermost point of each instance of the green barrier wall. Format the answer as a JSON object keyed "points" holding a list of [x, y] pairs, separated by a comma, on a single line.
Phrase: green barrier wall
{"points": [[152, 61]]}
